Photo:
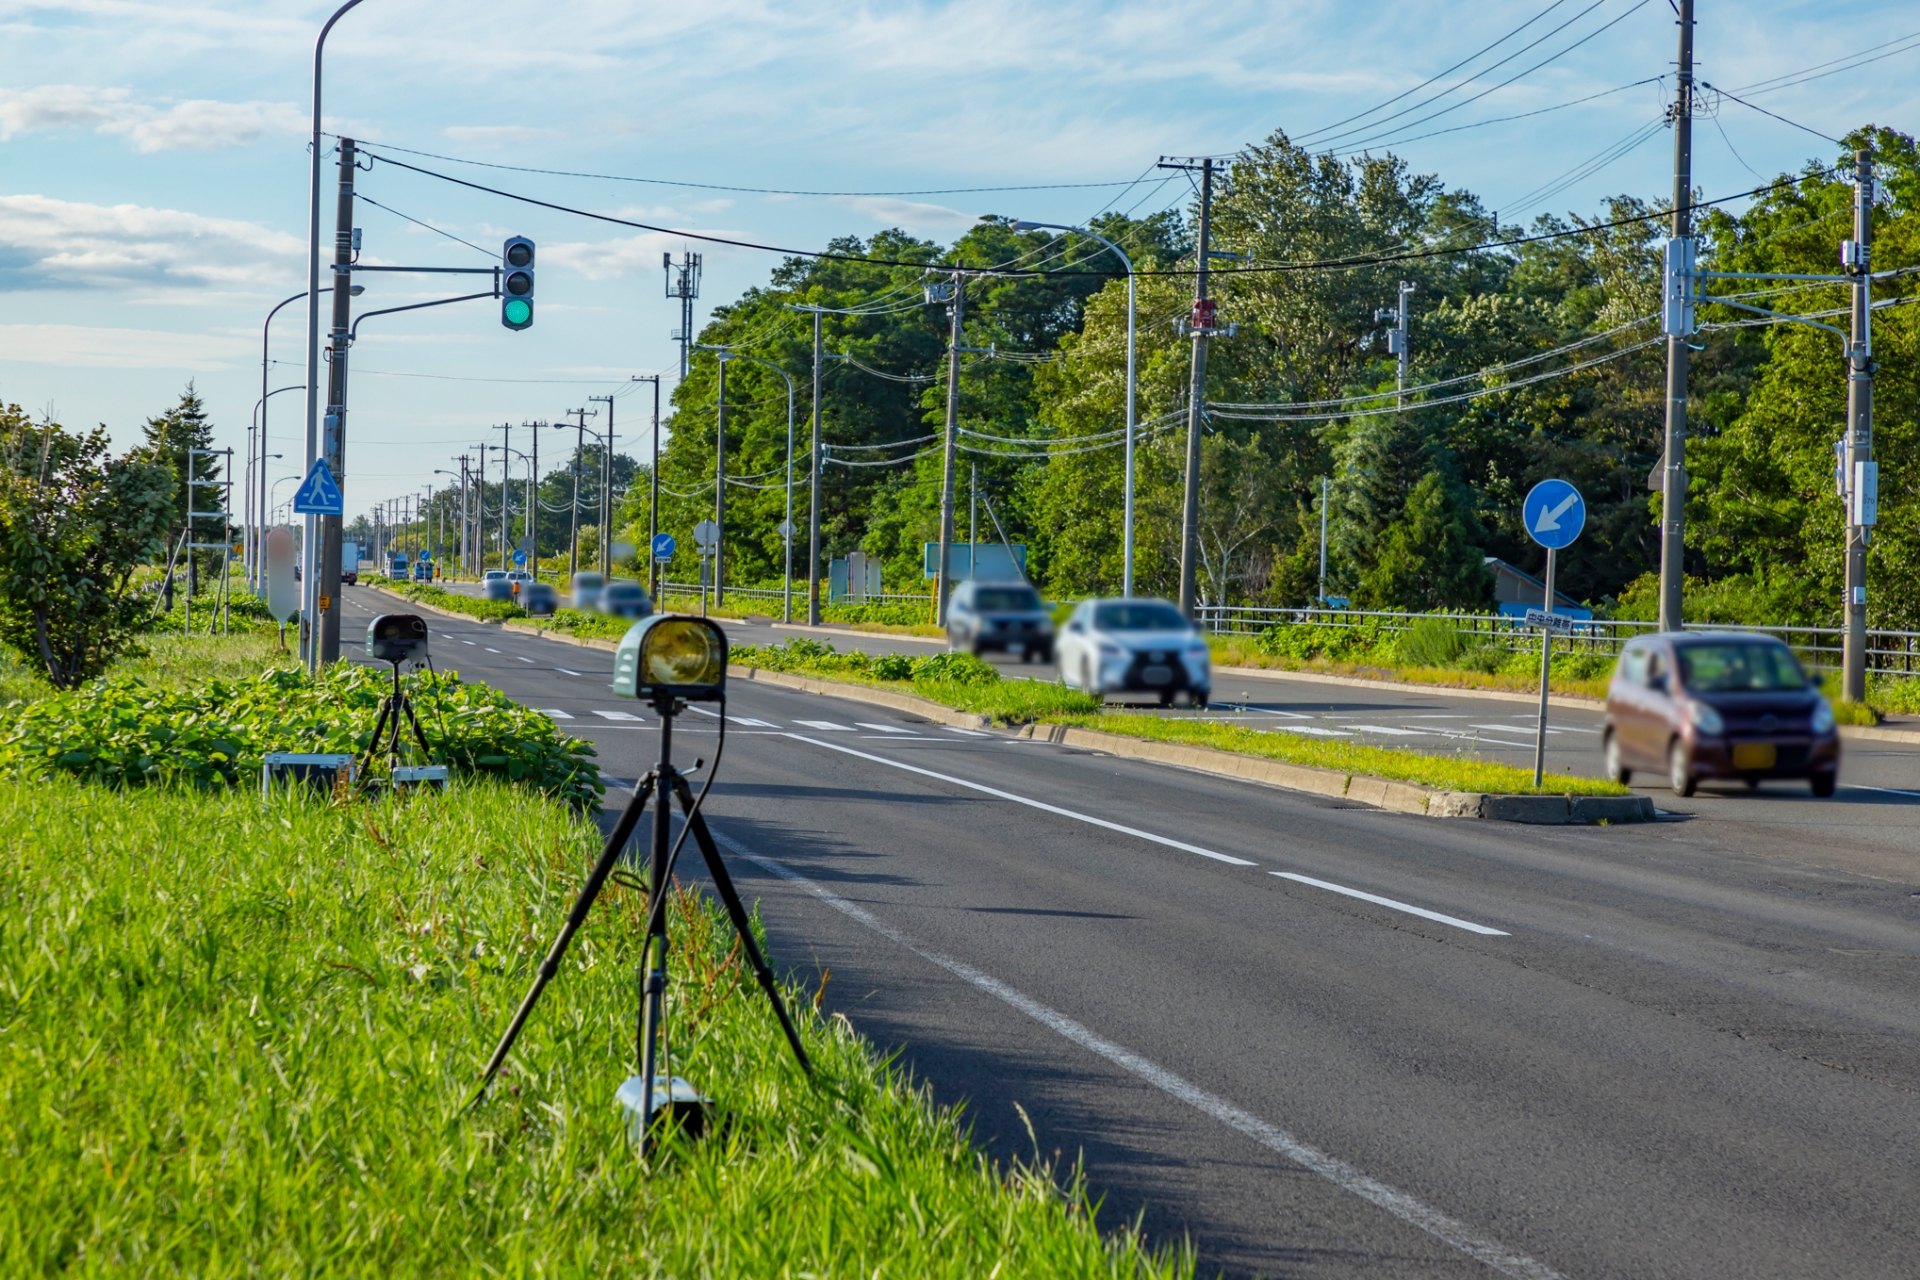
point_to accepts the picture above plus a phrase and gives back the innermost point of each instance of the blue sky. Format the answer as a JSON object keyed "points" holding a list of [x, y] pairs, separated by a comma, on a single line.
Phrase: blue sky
{"points": [[153, 170]]}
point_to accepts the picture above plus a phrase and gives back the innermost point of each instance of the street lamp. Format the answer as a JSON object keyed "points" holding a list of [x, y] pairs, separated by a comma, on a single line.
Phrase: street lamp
{"points": [[724, 355], [1126, 555], [442, 471]]}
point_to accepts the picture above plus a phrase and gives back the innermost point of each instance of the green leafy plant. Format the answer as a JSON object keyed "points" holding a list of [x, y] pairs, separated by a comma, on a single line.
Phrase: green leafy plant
{"points": [[121, 731], [452, 601], [954, 668], [1432, 642]]}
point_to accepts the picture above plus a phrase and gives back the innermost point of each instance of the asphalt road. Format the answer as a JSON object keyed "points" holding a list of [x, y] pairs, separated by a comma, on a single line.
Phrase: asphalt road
{"points": [[1322, 1040]]}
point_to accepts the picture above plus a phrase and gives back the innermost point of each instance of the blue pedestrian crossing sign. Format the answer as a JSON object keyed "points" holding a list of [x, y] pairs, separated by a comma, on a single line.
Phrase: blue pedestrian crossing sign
{"points": [[319, 494], [663, 546], [1554, 514]]}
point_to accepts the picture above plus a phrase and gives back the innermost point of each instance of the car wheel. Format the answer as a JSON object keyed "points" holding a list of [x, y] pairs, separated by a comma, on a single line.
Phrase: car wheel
{"points": [[1680, 770], [1822, 784], [1166, 697], [1045, 654], [1617, 770]]}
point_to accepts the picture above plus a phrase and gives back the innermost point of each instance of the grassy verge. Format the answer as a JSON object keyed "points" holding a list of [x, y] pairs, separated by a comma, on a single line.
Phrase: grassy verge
{"points": [[1241, 651], [237, 1038], [451, 601], [956, 680], [1451, 773]]}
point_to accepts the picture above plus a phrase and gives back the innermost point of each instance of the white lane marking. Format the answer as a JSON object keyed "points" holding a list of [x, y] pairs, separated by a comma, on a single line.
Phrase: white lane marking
{"points": [[827, 725], [556, 713], [1437, 717], [1508, 728], [703, 711], [1312, 729], [523, 659], [1331, 1167], [971, 733], [751, 723], [884, 728], [1031, 803], [466, 642], [1403, 733], [563, 671], [1861, 786], [616, 715], [1409, 908], [490, 649]]}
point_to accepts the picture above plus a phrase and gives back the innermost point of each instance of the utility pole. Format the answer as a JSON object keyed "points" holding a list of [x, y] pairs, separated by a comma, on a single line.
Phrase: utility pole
{"points": [[653, 485], [480, 516], [533, 503], [955, 294], [1863, 473], [720, 484], [683, 282], [580, 446], [1326, 490], [606, 483], [1399, 340], [813, 489], [506, 491], [1673, 478], [1202, 328], [325, 645]]}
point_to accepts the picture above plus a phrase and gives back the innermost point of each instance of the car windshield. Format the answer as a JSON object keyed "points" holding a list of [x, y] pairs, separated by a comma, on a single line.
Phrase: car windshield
{"points": [[586, 580], [623, 589], [493, 574], [1138, 615], [1740, 667], [1010, 599]]}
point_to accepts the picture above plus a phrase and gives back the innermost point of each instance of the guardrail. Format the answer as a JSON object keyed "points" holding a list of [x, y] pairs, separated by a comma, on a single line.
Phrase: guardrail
{"points": [[799, 593], [1890, 652]]}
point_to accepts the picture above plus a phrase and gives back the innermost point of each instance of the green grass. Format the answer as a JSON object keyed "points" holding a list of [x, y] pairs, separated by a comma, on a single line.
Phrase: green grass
{"points": [[167, 660], [452, 601], [1576, 675], [584, 624], [236, 1038], [956, 680], [1450, 773]]}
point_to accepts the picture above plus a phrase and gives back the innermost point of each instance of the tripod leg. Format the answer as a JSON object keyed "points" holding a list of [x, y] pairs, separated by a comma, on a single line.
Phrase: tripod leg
{"points": [[616, 843], [653, 959], [379, 727], [419, 734], [738, 914]]}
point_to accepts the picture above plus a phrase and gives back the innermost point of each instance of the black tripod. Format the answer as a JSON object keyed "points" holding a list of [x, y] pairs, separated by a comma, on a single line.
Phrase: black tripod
{"points": [[663, 779], [392, 707]]}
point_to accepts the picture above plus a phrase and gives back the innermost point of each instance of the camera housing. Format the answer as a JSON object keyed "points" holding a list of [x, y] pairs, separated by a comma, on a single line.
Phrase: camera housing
{"points": [[672, 656], [397, 638]]}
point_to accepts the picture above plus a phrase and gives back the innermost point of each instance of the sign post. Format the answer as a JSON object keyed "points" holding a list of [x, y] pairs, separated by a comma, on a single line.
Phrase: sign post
{"points": [[662, 552], [706, 539], [1554, 514]]}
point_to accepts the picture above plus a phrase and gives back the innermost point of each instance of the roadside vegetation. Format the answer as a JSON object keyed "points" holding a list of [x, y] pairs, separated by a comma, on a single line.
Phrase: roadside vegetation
{"points": [[451, 601], [239, 1036], [957, 680]]}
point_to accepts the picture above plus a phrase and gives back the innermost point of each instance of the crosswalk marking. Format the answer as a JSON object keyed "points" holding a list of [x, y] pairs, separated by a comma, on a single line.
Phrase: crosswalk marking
{"points": [[615, 715], [556, 713], [751, 723], [825, 724], [884, 728], [971, 733]]}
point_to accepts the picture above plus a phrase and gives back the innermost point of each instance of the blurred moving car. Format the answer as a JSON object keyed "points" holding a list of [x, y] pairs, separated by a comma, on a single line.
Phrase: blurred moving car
{"points": [[494, 585], [423, 570], [587, 588], [540, 598], [625, 599], [397, 567], [1725, 704], [1135, 645], [517, 583], [1008, 616]]}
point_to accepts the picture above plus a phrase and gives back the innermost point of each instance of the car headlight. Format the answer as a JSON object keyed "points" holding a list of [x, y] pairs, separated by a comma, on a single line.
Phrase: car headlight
{"points": [[1705, 718], [1112, 651], [1823, 717]]}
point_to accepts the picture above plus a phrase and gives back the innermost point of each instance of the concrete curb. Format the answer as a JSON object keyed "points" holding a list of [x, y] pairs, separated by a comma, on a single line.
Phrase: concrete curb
{"points": [[860, 693], [1380, 793], [1868, 733], [1445, 690]]}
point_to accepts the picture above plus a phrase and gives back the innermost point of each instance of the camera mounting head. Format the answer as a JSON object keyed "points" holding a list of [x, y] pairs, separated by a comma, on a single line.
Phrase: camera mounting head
{"points": [[672, 660], [397, 638]]}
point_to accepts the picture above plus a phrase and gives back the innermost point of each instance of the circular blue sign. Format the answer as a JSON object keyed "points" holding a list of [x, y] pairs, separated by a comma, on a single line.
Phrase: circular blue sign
{"points": [[519, 557], [663, 545], [1554, 513]]}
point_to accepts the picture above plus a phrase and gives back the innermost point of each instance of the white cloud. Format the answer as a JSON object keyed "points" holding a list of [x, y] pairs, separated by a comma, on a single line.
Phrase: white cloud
{"points": [[910, 215], [200, 124], [77, 345], [608, 259], [485, 134], [47, 243]]}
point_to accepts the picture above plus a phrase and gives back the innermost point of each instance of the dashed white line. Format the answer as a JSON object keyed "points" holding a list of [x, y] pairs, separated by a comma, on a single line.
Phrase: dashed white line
{"points": [[523, 659], [1030, 803], [1335, 1170], [971, 733], [1407, 907], [466, 642], [562, 670], [490, 649]]}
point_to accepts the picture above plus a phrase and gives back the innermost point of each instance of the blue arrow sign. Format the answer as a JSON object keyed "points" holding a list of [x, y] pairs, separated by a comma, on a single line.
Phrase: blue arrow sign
{"points": [[663, 546], [520, 557], [318, 494], [1554, 514]]}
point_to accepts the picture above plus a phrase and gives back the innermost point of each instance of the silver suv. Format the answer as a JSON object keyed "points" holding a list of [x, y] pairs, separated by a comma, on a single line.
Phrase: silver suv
{"points": [[1009, 616]]}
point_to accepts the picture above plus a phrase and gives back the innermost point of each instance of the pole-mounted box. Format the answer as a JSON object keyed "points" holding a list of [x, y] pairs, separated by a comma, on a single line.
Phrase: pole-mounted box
{"points": [[1676, 303], [1863, 506]]}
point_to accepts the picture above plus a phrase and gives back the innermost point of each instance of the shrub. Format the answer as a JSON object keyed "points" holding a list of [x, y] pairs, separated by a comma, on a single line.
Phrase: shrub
{"points": [[121, 731], [891, 666], [1432, 642], [954, 668]]}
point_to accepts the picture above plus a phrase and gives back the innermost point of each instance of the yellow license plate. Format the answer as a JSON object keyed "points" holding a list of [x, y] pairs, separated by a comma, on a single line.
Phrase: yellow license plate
{"points": [[1753, 755]]}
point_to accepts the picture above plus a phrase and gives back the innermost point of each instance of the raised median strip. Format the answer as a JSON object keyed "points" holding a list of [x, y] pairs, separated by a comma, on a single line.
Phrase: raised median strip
{"points": [[1381, 793], [908, 702]]}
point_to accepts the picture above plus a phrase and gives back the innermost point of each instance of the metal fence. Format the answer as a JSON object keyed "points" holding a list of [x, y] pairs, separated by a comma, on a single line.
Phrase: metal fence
{"points": [[777, 594], [1891, 652]]}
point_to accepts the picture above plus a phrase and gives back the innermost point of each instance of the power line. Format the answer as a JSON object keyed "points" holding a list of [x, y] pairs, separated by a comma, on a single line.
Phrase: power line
{"points": [[1858, 58], [1524, 115], [1763, 111], [366, 199]]}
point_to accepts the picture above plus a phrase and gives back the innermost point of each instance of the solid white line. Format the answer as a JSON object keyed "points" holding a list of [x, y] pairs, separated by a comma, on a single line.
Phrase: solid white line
{"points": [[703, 711], [1036, 804], [523, 659], [1410, 909], [562, 670], [1861, 786], [1335, 1170], [492, 650]]}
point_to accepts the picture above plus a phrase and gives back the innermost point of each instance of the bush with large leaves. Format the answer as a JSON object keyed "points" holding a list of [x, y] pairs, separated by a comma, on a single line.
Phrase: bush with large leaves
{"points": [[74, 524]]}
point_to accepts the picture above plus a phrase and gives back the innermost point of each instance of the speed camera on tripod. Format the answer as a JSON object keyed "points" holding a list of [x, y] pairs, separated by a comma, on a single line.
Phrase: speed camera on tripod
{"points": [[397, 638]]}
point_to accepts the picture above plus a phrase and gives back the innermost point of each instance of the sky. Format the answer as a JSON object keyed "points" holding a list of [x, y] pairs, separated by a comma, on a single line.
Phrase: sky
{"points": [[154, 164]]}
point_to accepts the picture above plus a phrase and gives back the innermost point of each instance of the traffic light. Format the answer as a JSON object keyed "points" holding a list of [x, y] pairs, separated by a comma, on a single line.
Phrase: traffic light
{"points": [[516, 283]]}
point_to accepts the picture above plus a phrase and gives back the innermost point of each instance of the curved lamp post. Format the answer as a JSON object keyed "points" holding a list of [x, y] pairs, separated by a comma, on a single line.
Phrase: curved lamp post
{"points": [[1126, 555]]}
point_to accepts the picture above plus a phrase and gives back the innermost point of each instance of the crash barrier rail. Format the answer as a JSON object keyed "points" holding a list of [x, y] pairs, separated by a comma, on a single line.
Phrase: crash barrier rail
{"points": [[1891, 652], [777, 593]]}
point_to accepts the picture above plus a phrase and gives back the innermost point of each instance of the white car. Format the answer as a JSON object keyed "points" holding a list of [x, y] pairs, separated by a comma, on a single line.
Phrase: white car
{"points": [[1134, 646]]}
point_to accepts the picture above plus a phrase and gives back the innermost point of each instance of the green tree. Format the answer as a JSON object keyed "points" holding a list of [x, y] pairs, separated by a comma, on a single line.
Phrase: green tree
{"points": [[170, 438], [74, 525], [1430, 558]]}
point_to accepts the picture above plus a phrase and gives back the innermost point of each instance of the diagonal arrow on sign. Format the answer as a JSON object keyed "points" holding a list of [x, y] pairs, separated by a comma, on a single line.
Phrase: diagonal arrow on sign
{"points": [[1550, 520]]}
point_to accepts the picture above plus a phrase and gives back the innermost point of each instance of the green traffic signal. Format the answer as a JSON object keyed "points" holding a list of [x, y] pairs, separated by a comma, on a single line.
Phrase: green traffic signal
{"points": [[518, 312], [516, 283]]}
